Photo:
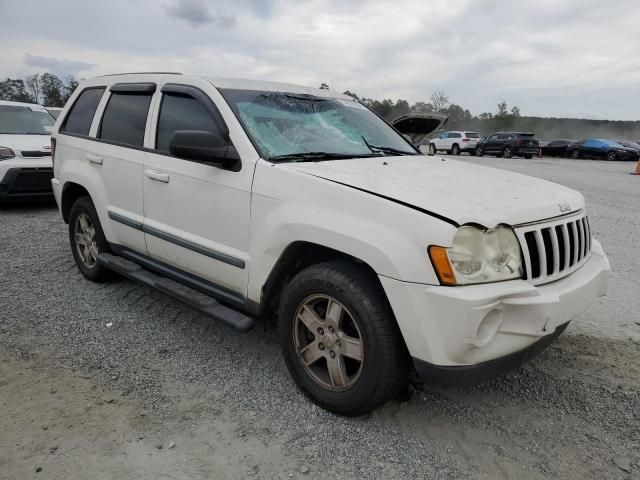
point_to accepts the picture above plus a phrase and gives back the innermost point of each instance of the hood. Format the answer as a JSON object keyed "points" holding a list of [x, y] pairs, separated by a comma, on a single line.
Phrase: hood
{"points": [[458, 191], [27, 143], [418, 125]]}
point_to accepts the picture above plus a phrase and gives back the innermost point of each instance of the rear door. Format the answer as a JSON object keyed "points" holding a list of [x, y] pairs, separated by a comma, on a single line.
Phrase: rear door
{"points": [[118, 156], [493, 143]]}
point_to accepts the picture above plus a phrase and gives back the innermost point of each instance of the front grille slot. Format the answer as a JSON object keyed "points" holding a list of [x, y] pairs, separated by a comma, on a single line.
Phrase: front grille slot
{"points": [[556, 248]]}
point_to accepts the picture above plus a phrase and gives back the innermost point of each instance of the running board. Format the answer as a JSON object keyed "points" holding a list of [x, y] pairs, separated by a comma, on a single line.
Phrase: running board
{"points": [[200, 301]]}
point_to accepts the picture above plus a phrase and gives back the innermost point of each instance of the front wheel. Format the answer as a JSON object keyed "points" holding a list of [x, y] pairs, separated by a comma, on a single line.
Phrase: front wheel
{"points": [[507, 152], [455, 150], [575, 154], [612, 157], [479, 152], [88, 241], [340, 340], [432, 149]]}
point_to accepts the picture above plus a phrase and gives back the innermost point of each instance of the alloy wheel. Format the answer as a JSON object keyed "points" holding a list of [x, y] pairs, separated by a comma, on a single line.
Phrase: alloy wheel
{"points": [[86, 241], [328, 342]]}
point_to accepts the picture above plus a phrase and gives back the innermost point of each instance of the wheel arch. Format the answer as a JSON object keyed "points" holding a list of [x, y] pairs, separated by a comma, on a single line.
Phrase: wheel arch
{"points": [[71, 191], [294, 258]]}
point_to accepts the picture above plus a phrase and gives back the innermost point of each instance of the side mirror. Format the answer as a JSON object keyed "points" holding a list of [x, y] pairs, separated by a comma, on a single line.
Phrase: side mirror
{"points": [[205, 147]]}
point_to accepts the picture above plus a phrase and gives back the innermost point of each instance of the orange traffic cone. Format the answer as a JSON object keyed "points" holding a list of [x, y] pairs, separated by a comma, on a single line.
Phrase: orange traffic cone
{"points": [[637, 172]]}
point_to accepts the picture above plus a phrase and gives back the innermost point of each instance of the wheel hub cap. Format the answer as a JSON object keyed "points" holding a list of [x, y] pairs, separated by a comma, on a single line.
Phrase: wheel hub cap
{"points": [[328, 342]]}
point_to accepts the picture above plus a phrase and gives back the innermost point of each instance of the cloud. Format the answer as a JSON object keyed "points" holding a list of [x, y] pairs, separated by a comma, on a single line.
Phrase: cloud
{"points": [[197, 13], [57, 66]]}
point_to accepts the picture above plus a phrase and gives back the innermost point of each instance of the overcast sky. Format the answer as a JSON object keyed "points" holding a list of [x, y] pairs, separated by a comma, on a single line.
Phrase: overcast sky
{"points": [[576, 58]]}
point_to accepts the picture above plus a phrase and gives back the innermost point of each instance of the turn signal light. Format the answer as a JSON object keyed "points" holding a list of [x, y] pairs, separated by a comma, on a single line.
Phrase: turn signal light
{"points": [[441, 265]]}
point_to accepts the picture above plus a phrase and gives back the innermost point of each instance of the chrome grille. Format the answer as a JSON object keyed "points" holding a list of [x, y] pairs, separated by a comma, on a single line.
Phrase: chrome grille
{"points": [[555, 248]]}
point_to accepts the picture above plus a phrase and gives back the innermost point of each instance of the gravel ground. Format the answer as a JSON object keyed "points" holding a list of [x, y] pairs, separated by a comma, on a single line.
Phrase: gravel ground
{"points": [[116, 380]]}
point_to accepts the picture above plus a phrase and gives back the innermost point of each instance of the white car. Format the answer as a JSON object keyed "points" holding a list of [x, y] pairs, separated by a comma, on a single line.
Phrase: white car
{"points": [[25, 151], [246, 199], [455, 142]]}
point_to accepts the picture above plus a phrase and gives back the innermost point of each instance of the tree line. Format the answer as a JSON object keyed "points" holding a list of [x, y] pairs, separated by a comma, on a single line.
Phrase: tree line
{"points": [[505, 118], [44, 88]]}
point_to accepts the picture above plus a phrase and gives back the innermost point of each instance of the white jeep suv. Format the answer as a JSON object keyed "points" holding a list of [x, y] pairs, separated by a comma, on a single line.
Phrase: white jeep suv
{"points": [[455, 142], [246, 199], [25, 151]]}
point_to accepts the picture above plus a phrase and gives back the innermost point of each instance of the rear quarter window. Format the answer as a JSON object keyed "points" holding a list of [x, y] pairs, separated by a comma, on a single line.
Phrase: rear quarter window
{"points": [[80, 116]]}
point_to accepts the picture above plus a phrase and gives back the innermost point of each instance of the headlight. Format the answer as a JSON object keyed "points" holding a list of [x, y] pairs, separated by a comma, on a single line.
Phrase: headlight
{"points": [[478, 256], [6, 153]]}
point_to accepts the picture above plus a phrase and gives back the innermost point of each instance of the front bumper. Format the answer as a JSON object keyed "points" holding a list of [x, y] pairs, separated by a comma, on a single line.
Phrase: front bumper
{"points": [[26, 183], [470, 325]]}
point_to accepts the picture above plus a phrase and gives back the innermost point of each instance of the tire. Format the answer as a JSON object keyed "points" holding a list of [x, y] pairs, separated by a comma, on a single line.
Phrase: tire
{"points": [[432, 149], [479, 152], [455, 150], [83, 209], [575, 154], [366, 319], [612, 157], [528, 157], [507, 152]]}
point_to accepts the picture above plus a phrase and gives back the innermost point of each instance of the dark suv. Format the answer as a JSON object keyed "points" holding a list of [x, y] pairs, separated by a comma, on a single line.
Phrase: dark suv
{"points": [[509, 144]]}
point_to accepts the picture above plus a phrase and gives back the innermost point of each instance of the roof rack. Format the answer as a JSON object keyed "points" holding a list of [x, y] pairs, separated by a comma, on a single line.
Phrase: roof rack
{"points": [[139, 73]]}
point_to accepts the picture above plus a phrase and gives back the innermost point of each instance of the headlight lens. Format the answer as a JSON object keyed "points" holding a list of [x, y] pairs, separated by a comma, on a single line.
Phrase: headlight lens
{"points": [[479, 256], [6, 153]]}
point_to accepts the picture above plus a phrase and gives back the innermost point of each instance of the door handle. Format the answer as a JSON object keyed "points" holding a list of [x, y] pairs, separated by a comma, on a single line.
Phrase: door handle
{"points": [[97, 159], [157, 175]]}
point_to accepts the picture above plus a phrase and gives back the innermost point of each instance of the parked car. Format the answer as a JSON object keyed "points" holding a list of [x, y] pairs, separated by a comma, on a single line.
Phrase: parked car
{"points": [[601, 149], [54, 111], [455, 142], [25, 151], [509, 144], [556, 148], [246, 199], [630, 144]]}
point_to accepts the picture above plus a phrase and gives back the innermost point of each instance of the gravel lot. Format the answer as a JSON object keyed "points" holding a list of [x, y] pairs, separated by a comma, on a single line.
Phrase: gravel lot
{"points": [[118, 381]]}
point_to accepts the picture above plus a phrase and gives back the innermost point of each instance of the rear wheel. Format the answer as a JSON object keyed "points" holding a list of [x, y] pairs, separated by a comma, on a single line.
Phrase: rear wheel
{"points": [[575, 154], [455, 150], [507, 152], [611, 156], [528, 157], [87, 240], [340, 340]]}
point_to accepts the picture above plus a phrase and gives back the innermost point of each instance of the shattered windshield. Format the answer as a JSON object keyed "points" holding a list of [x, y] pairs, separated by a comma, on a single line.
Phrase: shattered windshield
{"points": [[286, 125]]}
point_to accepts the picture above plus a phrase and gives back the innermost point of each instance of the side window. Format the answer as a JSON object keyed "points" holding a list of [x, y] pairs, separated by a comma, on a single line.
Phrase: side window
{"points": [[590, 143], [80, 116], [455, 135], [444, 135], [182, 112], [125, 117]]}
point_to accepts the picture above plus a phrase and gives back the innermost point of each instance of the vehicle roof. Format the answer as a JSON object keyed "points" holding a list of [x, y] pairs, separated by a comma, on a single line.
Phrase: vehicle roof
{"points": [[462, 131], [515, 133], [218, 82], [18, 104]]}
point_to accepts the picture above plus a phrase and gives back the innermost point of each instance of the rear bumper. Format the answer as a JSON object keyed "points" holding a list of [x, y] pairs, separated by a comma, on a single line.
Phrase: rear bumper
{"points": [[459, 327], [526, 151], [22, 183]]}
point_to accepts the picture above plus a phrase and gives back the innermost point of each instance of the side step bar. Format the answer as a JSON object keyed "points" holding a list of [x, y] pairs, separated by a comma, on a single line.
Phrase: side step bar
{"points": [[192, 297]]}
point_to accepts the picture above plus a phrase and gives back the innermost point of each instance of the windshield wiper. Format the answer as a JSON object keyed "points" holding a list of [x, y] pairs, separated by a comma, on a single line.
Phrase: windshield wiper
{"points": [[318, 156], [392, 150]]}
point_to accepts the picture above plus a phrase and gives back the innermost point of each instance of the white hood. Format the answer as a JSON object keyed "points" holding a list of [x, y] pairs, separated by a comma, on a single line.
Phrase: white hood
{"points": [[459, 191], [18, 143]]}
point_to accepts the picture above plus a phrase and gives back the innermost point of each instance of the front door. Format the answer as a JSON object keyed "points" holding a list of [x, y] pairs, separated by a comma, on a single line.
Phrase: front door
{"points": [[196, 214]]}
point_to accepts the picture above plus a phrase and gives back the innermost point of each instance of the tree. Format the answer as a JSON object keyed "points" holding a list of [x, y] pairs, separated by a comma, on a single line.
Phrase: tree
{"points": [[485, 116], [421, 107], [53, 90], [503, 110], [32, 82], [69, 87], [515, 112], [439, 100], [14, 90]]}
